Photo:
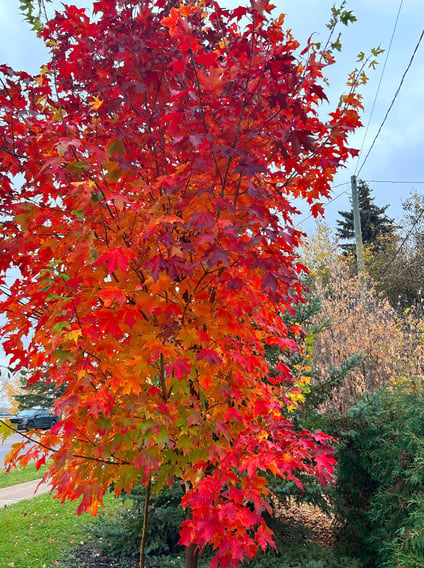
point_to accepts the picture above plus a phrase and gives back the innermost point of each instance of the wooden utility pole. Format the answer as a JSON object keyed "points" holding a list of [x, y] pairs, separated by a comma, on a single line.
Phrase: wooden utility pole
{"points": [[357, 225]]}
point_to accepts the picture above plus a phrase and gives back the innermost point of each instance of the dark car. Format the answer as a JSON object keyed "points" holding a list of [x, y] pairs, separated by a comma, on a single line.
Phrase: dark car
{"points": [[34, 418]]}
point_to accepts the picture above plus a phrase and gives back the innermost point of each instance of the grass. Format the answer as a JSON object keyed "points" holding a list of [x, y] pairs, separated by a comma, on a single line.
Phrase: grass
{"points": [[37, 532], [15, 476]]}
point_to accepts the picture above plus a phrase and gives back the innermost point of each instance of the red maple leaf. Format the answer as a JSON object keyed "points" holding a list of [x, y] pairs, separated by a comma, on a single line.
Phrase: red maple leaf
{"points": [[115, 258], [180, 367]]}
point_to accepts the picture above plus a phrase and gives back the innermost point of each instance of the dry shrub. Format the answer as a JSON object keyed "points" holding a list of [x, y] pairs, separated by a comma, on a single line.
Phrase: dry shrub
{"points": [[362, 321]]}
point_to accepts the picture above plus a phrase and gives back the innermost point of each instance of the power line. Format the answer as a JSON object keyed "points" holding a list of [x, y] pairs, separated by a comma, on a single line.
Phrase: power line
{"points": [[391, 181], [328, 202], [340, 185], [379, 83], [393, 100], [365, 180]]}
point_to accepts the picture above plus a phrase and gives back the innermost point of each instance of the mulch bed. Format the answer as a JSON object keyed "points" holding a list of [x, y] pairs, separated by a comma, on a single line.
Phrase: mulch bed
{"points": [[321, 525], [92, 554]]}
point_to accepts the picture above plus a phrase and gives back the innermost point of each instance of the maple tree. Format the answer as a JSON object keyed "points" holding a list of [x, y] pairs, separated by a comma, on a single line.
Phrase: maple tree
{"points": [[151, 238]]}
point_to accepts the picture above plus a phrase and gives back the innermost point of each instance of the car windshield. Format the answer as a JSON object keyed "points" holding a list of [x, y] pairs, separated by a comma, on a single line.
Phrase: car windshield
{"points": [[28, 412]]}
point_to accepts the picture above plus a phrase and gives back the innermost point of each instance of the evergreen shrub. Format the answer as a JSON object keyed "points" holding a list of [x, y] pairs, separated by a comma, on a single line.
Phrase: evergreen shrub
{"points": [[380, 480]]}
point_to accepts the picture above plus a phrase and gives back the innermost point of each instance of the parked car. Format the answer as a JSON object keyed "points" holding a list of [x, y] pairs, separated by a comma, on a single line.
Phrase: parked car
{"points": [[34, 418]]}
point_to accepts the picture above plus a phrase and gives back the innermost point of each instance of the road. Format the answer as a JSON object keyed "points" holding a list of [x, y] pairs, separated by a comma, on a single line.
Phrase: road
{"points": [[6, 446]]}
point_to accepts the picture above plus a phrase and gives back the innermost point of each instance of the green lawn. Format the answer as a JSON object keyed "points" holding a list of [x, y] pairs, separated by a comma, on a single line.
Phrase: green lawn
{"points": [[16, 476], [37, 532]]}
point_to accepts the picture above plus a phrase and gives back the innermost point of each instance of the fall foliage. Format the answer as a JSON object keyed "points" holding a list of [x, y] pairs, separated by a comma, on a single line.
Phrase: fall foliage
{"points": [[154, 252]]}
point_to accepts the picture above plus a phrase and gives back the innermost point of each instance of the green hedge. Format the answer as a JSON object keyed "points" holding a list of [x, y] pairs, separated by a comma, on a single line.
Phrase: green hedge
{"points": [[379, 494]]}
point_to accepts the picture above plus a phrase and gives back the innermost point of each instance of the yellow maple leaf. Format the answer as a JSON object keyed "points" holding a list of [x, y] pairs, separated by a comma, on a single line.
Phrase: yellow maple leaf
{"points": [[96, 103], [74, 335]]}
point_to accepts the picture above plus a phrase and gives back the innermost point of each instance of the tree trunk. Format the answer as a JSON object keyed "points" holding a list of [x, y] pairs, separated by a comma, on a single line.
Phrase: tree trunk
{"points": [[145, 521], [192, 552], [191, 556]]}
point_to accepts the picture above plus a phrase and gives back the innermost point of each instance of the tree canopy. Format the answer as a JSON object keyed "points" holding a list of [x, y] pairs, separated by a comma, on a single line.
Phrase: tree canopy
{"points": [[147, 174]]}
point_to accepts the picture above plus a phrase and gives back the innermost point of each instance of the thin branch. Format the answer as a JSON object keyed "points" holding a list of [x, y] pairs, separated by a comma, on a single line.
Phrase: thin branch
{"points": [[165, 394], [202, 109]]}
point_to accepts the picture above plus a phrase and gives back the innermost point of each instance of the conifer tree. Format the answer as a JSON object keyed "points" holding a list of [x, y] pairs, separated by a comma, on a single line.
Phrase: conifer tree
{"points": [[376, 226], [39, 394]]}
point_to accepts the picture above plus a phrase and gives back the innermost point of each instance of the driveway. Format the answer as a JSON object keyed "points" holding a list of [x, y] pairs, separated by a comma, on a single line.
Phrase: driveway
{"points": [[27, 490]]}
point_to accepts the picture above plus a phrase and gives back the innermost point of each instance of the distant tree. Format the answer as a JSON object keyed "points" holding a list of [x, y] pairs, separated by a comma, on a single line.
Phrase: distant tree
{"points": [[398, 269], [413, 220], [377, 228], [10, 385], [319, 255], [39, 394]]}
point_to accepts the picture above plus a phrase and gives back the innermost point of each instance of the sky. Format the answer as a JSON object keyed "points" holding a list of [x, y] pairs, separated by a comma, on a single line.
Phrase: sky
{"points": [[395, 153], [394, 25]]}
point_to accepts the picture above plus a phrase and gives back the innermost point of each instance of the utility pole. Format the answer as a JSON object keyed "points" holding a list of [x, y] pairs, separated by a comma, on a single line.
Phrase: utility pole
{"points": [[357, 225]]}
